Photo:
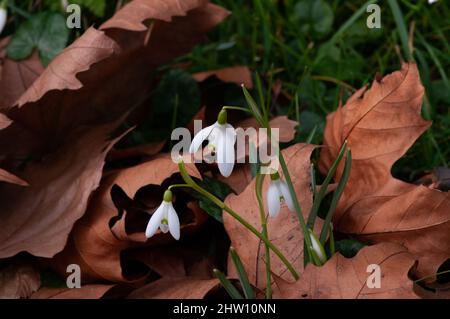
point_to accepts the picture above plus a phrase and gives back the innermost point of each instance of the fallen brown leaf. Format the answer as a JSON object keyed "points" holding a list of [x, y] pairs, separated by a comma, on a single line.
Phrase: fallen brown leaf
{"points": [[239, 179], [145, 150], [18, 280], [10, 178], [175, 288], [284, 231], [16, 76], [38, 218], [380, 125], [342, 278], [236, 74], [85, 292]]}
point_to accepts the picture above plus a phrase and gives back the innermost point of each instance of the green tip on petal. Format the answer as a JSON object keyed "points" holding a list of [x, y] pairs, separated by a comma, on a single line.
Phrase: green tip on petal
{"points": [[222, 117], [275, 176], [168, 196]]}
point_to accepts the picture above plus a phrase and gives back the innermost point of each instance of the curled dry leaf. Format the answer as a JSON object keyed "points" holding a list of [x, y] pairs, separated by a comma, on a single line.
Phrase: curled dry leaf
{"points": [[18, 280], [284, 231], [176, 288], [236, 74], [81, 89], [85, 292], [116, 219], [380, 125], [342, 278]]}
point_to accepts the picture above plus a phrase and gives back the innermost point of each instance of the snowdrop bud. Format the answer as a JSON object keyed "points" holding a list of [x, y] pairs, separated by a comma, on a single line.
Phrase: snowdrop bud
{"points": [[164, 218], [3, 15], [319, 255]]}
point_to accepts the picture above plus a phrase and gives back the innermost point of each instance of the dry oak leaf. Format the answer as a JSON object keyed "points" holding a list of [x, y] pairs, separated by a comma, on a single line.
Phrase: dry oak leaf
{"points": [[82, 88], [347, 278], [18, 280], [380, 125], [176, 288], [38, 218], [99, 240], [284, 231], [235, 74], [85, 292]]}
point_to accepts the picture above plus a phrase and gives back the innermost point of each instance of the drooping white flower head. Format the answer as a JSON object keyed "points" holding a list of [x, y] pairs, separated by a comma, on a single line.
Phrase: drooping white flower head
{"points": [[278, 193], [164, 218], [432, 1], [3, 16], [221, 138]]}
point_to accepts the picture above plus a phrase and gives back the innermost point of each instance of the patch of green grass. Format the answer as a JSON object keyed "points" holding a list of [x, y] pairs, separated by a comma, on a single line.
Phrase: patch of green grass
{"points": [[320, 50]]}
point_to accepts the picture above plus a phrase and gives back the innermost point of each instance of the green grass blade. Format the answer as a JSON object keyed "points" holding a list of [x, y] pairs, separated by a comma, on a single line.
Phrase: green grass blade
{"points": [[253, 106], [243, 278], [323, 188], [336, 196], [232, 291], [401, 27]]}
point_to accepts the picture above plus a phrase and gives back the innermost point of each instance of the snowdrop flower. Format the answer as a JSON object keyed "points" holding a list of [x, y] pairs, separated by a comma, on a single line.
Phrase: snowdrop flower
{"points": [[317, 249], [432, 1], [165, 218], [3, 15], [278, 193], [221, 137]]}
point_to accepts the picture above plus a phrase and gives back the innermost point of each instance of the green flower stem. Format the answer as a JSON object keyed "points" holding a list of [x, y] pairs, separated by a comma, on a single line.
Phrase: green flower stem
{"points": [[236, 216], [265, 233], [178, 186], [237, 108]]}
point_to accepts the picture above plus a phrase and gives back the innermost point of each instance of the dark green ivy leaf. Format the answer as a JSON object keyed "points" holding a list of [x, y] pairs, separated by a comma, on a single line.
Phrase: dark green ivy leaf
{"points": [[46, 31], [349, 247]]}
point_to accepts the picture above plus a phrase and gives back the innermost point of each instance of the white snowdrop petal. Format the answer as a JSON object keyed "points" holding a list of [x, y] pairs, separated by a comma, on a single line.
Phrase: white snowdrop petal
{"points": [[225, 150], [287, 195], [273, 200], [174, 223], [200, 137], [155, 221], [3, 18]]}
